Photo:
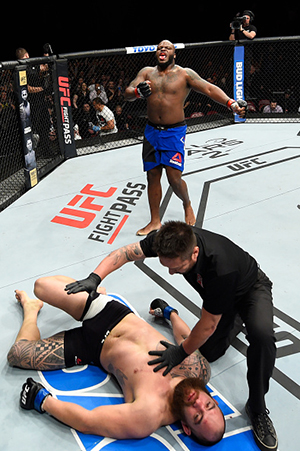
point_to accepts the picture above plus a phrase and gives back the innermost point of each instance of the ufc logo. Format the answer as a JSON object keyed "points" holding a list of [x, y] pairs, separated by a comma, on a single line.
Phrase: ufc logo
{"points": [[86, 204], [24, 395], [246, 164], [64, 87]]}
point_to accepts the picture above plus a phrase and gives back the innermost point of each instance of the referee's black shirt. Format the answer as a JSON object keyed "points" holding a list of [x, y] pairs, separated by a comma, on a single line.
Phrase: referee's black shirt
{"points": [[223, 273]]}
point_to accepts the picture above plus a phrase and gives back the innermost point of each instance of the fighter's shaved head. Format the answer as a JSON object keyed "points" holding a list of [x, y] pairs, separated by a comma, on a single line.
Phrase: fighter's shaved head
{"points": [[166, 42]]}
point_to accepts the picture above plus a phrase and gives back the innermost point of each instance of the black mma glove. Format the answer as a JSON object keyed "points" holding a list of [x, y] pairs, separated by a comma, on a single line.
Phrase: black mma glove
{"points": [[33, 395], [89, 284], [161, 309], [243, 104], [171, 357], [143, 90], [233, 105]]}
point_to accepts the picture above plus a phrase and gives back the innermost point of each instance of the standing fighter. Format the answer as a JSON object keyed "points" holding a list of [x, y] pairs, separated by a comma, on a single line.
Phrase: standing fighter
{"points": [[166, 87]]}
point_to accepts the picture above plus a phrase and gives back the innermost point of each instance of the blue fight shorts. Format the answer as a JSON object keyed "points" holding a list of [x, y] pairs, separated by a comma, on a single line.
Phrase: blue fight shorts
{"points": [[164, 146]]}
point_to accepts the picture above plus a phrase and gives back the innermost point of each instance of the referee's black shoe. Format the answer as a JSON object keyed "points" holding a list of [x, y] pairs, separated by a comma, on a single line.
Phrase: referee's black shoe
{"points": [[263, 429]]}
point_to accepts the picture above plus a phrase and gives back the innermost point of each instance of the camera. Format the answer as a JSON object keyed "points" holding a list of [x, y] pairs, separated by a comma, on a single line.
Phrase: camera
{"points": [[47, 49], [237, 21]]}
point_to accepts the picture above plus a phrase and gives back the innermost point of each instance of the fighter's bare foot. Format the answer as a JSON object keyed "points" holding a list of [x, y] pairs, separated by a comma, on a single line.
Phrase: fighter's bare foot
{"points": [[28, 303], [148, 228], [190, 217]]}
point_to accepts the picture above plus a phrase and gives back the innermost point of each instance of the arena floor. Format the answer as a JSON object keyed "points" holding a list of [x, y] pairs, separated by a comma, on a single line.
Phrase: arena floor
{"points": [[244, 183]]}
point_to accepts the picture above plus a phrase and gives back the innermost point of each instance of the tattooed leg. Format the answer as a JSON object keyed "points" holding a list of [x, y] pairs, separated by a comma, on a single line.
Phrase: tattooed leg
{"points": [[29, 351], [47, 354]]}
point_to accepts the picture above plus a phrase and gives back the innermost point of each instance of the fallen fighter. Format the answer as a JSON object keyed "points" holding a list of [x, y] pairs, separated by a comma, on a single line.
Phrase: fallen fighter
{"points": [[115, 339]]}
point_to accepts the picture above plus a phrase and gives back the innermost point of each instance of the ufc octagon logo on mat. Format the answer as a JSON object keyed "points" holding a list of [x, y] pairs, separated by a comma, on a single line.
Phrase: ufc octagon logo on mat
{"points": [[115, 205]]}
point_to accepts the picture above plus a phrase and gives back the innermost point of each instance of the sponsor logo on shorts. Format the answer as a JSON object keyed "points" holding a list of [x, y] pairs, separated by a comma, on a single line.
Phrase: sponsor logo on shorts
{"points": [[177, 159]]}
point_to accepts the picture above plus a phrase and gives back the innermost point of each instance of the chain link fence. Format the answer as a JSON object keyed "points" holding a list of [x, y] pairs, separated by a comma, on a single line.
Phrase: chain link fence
{"points": [[64, 96], [107, 76], [272, 80], [38, 104], [41, 86], [12, 182]]}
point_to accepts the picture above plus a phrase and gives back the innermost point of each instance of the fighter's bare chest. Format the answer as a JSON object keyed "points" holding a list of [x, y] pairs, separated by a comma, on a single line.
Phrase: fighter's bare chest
{"points": [[168, 83]]}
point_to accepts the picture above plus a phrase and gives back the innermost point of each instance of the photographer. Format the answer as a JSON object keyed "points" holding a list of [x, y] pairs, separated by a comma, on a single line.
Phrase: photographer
{"points": [[242, 28]]}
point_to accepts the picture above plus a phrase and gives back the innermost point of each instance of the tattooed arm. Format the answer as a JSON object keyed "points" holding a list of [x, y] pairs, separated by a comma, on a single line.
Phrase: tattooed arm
{"points": [[195, 365], [118, 258], [200, 85], [113, 261]]}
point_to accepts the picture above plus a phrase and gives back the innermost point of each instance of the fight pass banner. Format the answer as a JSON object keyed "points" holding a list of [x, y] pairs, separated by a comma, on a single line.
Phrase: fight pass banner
{"points": [[31, 177], [238, 77], [64, 108]]}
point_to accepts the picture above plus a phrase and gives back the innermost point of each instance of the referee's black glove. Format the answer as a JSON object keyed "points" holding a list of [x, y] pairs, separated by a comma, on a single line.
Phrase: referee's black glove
{"points": [[89, 284], [171, 357]]}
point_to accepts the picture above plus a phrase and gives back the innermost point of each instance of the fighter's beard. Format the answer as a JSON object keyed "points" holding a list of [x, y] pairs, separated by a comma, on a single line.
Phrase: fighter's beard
{"points": [[178, 402], [164, 64]]}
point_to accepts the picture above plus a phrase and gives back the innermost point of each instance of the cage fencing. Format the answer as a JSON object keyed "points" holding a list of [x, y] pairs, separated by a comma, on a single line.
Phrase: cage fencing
{"points": [[41, 97], [106, 77], [60, 91], [271, 81], [28, 125], [12, 182]]}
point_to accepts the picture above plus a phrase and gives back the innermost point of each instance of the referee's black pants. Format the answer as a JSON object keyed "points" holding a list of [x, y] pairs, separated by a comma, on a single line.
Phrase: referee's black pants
{"points": [[256, 311]]}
